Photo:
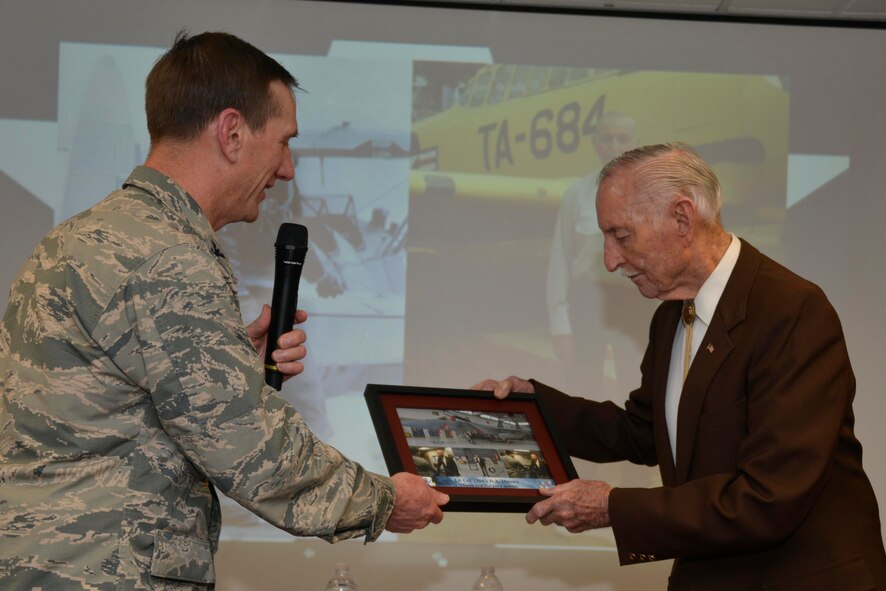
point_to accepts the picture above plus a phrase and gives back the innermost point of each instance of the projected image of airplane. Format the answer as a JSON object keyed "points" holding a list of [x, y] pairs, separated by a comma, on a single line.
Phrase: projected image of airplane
{"points": [[495, 148], [349, 234], [349, 141], [519, 136], [356, 233]]}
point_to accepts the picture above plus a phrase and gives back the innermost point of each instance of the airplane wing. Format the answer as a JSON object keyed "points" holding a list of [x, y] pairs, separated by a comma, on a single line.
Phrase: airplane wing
{"points": [[470, 187]]}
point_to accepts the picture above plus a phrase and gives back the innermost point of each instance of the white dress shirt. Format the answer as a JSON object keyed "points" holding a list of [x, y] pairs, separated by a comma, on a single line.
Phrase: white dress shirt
{"points": [[705, 303]]}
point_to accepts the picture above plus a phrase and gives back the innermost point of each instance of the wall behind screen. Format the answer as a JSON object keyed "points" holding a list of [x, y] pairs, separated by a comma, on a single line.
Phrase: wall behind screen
{"points": [[410, 285]]}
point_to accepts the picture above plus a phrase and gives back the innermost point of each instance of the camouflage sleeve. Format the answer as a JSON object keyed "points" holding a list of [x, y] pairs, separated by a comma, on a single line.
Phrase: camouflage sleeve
{"points": [[207, 385]]}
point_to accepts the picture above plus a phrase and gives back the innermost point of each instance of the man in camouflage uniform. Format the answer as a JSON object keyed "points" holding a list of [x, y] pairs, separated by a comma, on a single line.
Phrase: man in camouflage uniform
{"points": [[129, 387]]}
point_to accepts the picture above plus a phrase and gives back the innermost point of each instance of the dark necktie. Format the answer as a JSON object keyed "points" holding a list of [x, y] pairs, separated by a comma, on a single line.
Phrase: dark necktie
{"points": [[688, 320]]}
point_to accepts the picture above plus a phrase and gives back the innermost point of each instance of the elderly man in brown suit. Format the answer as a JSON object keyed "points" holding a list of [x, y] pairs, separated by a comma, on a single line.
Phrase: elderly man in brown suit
{"points": [[745, 404]]}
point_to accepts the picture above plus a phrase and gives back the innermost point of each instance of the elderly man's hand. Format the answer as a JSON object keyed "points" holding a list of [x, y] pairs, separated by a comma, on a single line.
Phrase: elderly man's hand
{"points": [[417, 504], [577, 505], [501, 388], [291, 344]]}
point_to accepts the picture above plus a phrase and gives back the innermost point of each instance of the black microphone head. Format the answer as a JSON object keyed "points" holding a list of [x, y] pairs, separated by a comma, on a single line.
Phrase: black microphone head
{"points": [[292, 243], [292, 235]]}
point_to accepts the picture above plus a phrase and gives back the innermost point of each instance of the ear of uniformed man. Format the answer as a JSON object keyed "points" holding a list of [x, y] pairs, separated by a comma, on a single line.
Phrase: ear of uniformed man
{"points": [[501, 388], [291, 345], [416, 504], [577, 505]]}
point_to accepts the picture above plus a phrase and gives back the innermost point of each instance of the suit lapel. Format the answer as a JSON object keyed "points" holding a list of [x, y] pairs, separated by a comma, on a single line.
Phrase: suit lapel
{"points": [[713, 352], [714, 349], [662, 362]]}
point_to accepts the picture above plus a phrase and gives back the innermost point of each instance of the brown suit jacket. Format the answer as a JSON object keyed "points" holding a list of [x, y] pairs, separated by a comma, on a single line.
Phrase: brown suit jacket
{"points": [[768, 490]]}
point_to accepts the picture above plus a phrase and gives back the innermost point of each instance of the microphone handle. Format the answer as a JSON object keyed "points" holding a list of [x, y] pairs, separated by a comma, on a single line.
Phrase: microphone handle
{"points": [[283, 305]]}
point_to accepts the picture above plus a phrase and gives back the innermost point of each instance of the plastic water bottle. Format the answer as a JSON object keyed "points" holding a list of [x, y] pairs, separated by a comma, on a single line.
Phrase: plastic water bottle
{"points": [[342, 580], [487, 580]]}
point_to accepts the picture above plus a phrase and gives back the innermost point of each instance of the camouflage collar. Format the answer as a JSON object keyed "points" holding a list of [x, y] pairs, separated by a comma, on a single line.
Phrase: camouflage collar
{"points": [[175, 198]]}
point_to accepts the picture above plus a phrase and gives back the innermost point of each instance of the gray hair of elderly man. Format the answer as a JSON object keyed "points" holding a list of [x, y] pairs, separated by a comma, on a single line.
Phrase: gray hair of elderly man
{"points": [[661, 171]]}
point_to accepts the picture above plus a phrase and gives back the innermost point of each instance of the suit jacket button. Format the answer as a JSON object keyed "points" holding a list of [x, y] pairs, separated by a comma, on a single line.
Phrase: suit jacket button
{"points": [[632, 556]]}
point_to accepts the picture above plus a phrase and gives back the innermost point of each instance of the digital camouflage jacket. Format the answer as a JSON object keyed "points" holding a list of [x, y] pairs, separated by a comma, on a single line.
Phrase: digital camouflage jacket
{"points": [[130, 391]]}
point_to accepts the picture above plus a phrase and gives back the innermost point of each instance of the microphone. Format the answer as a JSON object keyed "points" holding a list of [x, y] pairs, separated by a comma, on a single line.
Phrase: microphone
{"points": [[291, 247]]}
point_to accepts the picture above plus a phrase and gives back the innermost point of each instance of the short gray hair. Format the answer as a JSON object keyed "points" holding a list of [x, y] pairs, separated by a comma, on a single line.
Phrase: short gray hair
{"points": [[665, 170]]}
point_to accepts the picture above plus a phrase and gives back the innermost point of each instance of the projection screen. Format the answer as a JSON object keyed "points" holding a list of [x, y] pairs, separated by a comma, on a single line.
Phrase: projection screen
{"points": [[437, 149]]}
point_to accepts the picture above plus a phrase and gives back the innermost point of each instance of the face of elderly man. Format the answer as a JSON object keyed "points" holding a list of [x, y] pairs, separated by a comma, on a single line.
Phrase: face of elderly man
{"points": [[642, 238]]}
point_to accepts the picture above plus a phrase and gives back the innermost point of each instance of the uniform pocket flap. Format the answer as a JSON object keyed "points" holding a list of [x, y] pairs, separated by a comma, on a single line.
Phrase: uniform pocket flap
{"points": [[182, 558]]}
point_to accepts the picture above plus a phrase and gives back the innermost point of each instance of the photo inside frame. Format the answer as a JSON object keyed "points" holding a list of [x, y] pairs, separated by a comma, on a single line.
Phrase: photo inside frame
{"points": [[474, 449]]}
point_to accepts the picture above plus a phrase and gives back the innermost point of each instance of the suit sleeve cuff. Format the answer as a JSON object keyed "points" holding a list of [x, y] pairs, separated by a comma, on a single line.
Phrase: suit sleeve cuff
{"points": [[622, 502]]}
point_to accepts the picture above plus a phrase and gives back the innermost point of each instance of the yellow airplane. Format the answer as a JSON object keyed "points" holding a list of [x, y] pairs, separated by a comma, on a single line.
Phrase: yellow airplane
{"points": [[523, 134]]}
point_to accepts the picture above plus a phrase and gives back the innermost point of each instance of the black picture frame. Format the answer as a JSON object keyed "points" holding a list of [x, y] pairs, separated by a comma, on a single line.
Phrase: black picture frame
{"points": [[475, 432]]}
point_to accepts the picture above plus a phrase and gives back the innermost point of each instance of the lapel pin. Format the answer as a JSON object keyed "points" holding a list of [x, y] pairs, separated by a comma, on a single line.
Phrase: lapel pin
{"points": [[710, 347]]}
